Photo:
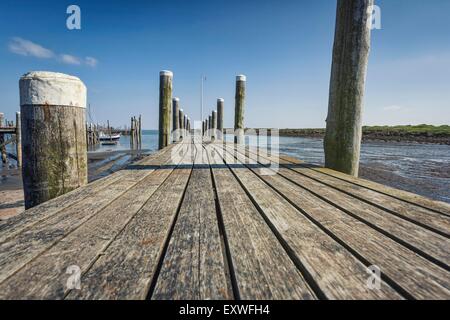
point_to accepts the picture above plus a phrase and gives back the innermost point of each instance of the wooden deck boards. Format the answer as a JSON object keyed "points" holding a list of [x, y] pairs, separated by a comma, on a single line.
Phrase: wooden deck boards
{"points": [[222, 221]]}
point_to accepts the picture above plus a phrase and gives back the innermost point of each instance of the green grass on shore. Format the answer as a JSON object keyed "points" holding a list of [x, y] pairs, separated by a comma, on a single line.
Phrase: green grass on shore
{"points": [[409, 129]]}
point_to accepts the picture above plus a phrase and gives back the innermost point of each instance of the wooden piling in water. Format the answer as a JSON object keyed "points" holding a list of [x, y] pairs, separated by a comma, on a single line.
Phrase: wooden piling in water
{"points": [[342, 142], [2, 140], [175, 119], [239, 109], [19, 139], [165, 106], [54, 147]]}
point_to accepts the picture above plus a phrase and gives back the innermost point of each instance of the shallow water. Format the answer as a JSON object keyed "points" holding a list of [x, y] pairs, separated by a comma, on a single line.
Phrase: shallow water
{"points": [[420, 168]]}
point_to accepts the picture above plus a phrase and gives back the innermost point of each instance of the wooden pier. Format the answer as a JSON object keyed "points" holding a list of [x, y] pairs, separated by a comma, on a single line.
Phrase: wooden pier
{"points": [[204, 220]]}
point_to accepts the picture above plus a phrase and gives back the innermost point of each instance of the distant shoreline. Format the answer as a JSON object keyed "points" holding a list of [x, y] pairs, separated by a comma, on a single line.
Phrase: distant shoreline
{"points": [[417, 134]]}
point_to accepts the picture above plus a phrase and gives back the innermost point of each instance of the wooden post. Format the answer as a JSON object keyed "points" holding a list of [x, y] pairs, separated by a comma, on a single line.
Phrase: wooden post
{"points": [[239, 109], [176, 120], [220, 102], [2, 140], [185, 123], [132, 133], [18, 140], [165, 106], [181, 119], [140, 131], [214, 124], [54, 150], [342, 142]]}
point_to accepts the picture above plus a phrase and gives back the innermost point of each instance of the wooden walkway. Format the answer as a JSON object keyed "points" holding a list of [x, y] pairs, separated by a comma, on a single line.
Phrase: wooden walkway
{"points": [[224, 222]]}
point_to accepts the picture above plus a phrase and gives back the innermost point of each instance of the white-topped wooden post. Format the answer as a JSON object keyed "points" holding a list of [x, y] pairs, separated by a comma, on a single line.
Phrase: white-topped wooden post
{"points": [[239, 109], [54, 151], [165, 107]]}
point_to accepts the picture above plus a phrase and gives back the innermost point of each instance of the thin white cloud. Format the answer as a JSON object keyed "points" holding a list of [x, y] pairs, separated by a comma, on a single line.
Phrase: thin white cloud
{"points": [[90, 61], [69, 59], [28, 48], [25, 47]]}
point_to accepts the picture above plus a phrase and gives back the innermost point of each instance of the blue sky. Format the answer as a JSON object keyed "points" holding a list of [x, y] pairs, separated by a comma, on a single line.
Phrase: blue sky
{"points": [[284, 48]]}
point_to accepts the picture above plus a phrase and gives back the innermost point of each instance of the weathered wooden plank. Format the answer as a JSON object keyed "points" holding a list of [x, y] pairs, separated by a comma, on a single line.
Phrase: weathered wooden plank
{"points": [[262, 268], [28, 218], [126, 269], [337, 273], [430, 219], [45, 277], [194, 266], [421, 240], [438, 206], [419, 277], [15, 252]]}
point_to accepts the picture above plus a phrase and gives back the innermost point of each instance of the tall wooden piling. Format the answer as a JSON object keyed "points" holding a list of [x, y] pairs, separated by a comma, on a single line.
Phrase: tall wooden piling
{"points": [[54, 150], [181, 118], [342, 141], [214, 124], [165, 106], [239, 109], [220, 102], [3, 140], [185, 123], [18, 140], [175, 119]]}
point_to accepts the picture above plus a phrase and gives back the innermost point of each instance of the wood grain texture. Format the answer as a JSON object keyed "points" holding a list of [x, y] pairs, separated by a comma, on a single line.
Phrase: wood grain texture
{"points": [[127, 266], [338, 274], [45, 277], [194, 266], [427, 242], [262, 268], [403, 266], [15, 252]]}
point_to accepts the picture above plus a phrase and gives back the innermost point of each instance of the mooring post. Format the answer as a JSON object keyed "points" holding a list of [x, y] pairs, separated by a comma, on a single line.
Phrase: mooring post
{"points": [[342, 142], [18, 140], [220, 102], [54, 150], [239, 109], [165, 106], [181, 118], [2, 140], [175, 120], [140, 131], [210, 125], [214, 124]]}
